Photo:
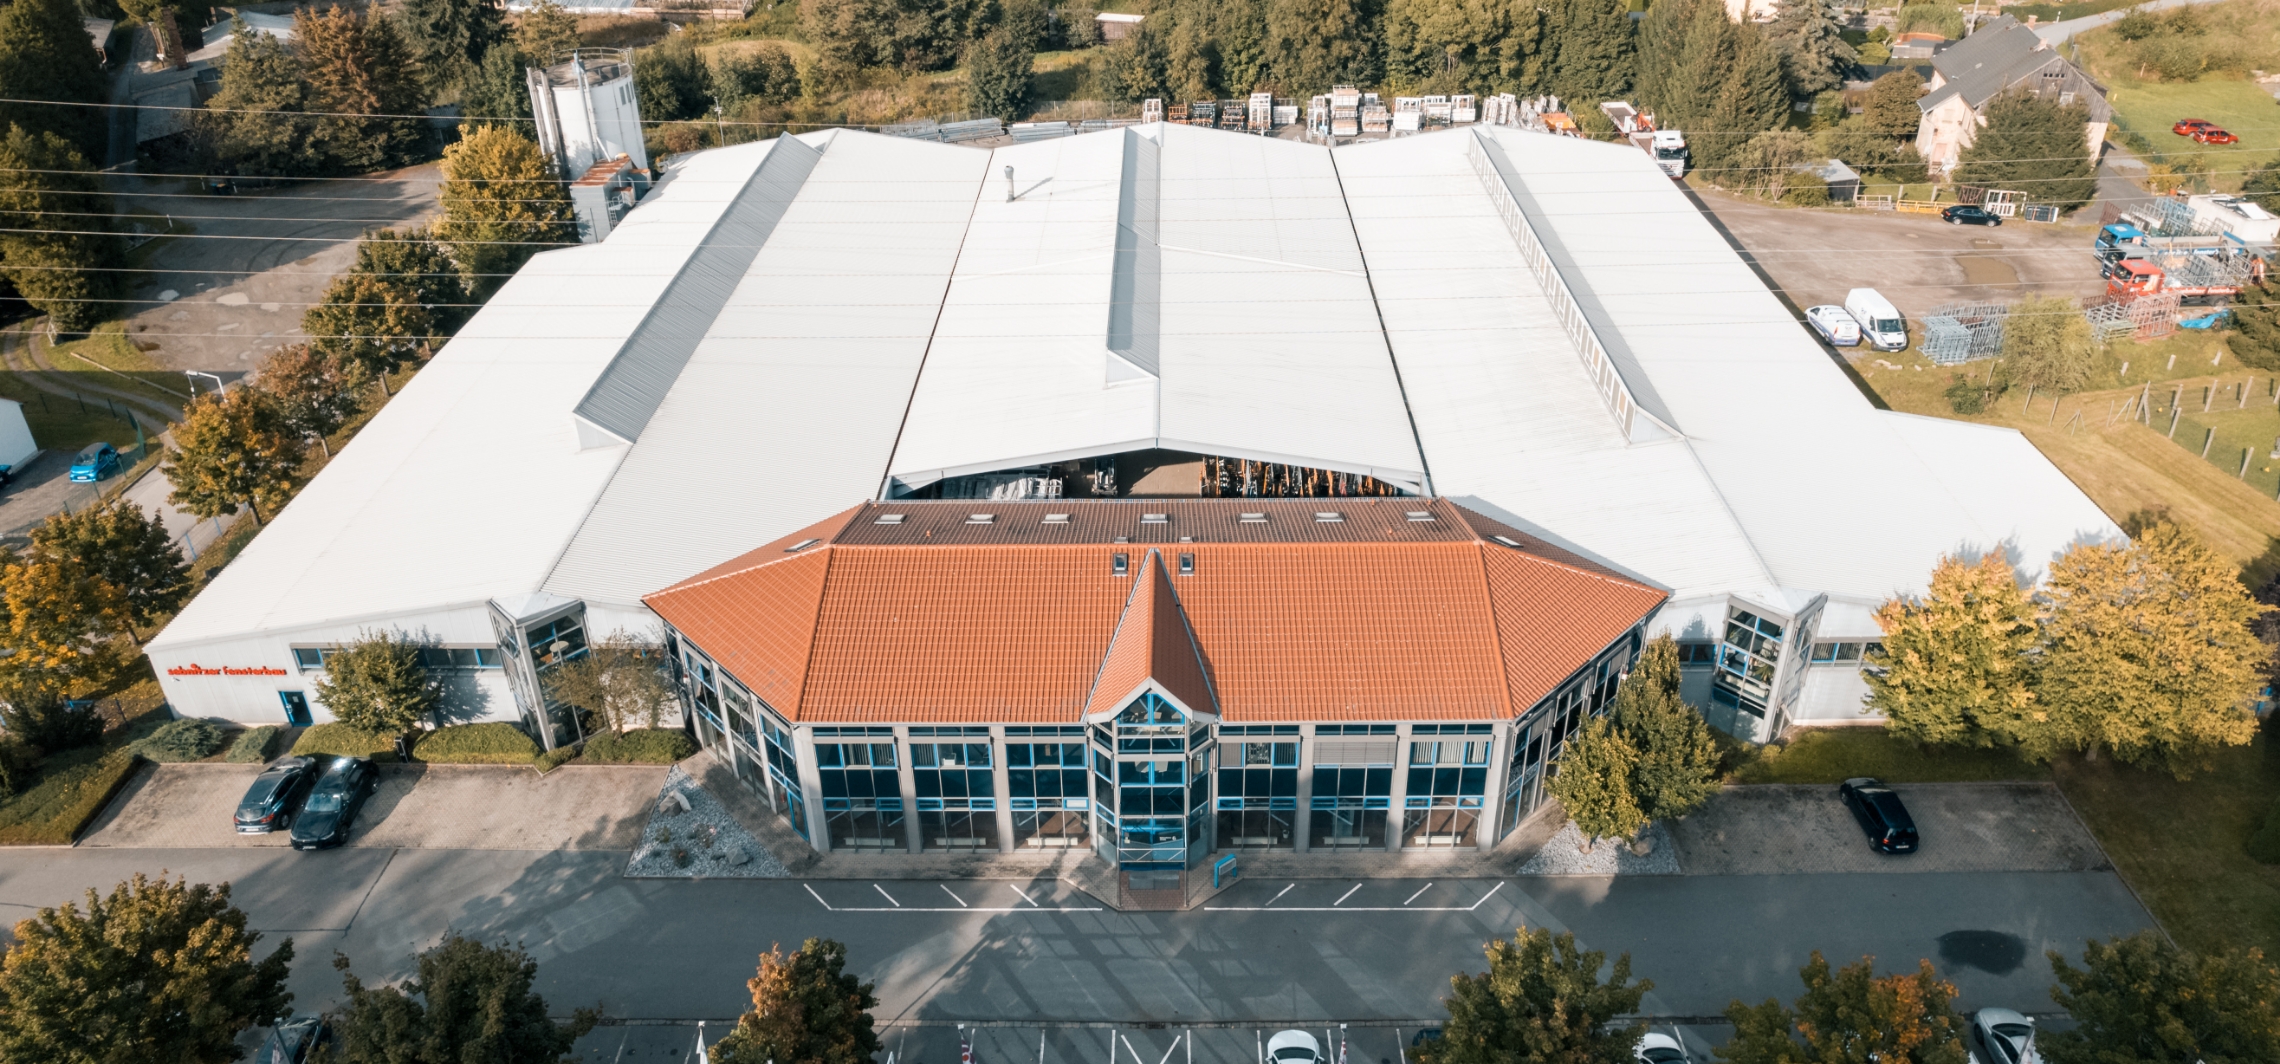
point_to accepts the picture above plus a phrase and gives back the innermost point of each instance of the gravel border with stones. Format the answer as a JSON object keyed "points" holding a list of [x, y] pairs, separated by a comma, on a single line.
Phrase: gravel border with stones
{"points": [[701, 842], [1563, 856]]}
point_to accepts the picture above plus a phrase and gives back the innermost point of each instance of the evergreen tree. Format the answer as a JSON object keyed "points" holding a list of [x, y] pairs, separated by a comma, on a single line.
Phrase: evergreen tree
{"points": [[2047, 344], [1753, 98], [256, 118], [1678, 758], [2147, 652], [377, 684], [363, 79], [403, 296], [1593, 783], [60, 252], [126, 548], [499, 89], [1662, 60], [2033, 145], [45, 54], [545, 32], [673, 83], [1321, 43], [1592, 50], [1850, 1016], [2141, 998], [1814, 55], [765, 73], [998, 74], [1447, 45], [502, 203], [1953, 668], [1541, 999], [1135, 68], [806, 1009], [155, 971], [449, 39], [2256, 325], [233, 449], [469, 1002]]}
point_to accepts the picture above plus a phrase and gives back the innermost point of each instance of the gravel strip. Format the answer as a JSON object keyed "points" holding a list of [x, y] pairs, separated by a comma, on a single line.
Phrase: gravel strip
{"points": [[1564, 856], [704, 836]]}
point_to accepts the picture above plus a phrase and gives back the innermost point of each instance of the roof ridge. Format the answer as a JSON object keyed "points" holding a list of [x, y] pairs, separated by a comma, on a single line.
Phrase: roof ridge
{"points": [[1488, 595], [815, 633], [1108, 653], [1179, 611]]}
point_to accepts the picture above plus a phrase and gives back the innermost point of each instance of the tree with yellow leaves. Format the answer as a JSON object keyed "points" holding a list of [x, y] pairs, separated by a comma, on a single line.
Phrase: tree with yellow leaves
{"points": [[2147, 652], [806, 1009], [60, 616], [502, 203], [1851, 1015], [1954, 667]]}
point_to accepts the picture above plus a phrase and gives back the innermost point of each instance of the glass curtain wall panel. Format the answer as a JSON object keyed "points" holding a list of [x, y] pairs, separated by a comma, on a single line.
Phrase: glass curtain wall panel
{"points": [[1448, 779], [957, 795], [862, 796]]}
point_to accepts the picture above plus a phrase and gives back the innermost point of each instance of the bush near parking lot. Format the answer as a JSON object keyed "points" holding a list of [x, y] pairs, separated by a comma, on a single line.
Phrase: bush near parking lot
{"points": [[468, 1002], [555, 758], [345, 740], [71, 790], [641, 746], [182, 740], [806, 1009], [255, 747], [476, 744]]}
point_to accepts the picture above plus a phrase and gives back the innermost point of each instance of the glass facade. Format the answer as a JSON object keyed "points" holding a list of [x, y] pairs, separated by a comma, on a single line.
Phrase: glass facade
{"points": [[957, 797], [1748, 659], [1258, 792], [1353, 786], [1448, 782], [1524, 781], [1160, 775], [1045, 785], [862, 796]]}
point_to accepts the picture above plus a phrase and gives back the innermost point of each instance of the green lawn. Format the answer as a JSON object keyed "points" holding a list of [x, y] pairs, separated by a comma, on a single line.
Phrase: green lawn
{"points": [[2062, 12], [2248, 112], [1833, 755], [74, 786], [63, 424]]}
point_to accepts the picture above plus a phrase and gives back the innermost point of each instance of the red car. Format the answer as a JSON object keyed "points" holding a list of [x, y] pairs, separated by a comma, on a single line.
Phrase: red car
{"points": [[2186, 127], [2214, 135]]}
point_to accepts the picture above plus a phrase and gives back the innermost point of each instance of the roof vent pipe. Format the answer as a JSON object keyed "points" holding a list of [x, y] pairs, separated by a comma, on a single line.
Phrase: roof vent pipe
{"points": [[1009, 184]]}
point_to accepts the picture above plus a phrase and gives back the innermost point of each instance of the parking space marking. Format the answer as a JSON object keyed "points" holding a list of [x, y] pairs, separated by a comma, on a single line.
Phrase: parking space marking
{"points": [[1025, 897], [1420, 890], [1333, 907], [894, 905], [1348, 894], [953, 896], [818, 897], [890, 898], [1278, 896]]}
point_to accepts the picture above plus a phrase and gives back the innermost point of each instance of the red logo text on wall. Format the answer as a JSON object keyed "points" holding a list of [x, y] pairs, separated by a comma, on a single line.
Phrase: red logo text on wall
{"points": [[226, 670]]}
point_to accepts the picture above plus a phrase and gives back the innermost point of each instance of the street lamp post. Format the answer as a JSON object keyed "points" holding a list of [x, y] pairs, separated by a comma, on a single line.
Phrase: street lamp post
{"points": [[194, 374]]}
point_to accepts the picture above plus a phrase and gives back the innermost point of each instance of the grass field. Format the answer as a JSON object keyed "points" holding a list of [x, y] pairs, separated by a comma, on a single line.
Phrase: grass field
{"points": [[2248, 112], [109, 358], [1833, 755]]}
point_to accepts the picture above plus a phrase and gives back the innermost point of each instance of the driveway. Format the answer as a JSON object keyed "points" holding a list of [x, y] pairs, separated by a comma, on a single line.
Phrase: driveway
{"points": [[1918, 262], [451, 807], [1966, 827]]}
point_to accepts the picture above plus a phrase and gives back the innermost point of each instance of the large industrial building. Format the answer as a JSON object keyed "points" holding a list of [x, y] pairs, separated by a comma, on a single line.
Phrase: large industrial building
{"points": [[1158, 490]]}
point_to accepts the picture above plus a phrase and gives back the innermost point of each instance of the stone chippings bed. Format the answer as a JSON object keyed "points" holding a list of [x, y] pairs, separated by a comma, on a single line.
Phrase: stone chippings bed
{"points": [[698, 841]]}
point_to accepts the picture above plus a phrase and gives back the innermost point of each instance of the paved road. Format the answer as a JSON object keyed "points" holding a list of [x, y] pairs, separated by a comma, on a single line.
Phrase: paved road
{"points": [[1263, 953]]}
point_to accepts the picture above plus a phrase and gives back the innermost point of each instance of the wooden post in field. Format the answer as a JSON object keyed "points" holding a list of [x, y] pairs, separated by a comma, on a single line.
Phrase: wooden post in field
{"points": [[2206, 440], [2244, 452]]}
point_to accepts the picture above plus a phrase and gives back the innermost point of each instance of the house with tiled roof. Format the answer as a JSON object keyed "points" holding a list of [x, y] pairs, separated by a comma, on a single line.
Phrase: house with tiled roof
{"points": [[2001, 56], [1304, 497]]}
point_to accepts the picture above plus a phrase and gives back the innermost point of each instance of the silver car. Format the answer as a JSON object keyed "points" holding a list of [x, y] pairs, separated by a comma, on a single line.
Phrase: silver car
{"points": [[1293, 1047], [2005, 1036]]}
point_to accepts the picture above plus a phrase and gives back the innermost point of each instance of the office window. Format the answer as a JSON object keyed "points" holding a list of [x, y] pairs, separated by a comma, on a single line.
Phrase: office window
{"points": [[460, 657], [1747, 660], [1258, 794], [1045, 786], [957, 795], [307, 658], [1447, 782], [1353, 789], [1843, 653], [1697, 653], [862, 798]]}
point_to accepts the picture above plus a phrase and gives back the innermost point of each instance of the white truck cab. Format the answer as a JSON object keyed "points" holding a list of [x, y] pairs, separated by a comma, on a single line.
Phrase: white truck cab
{"points": [[1880, 322]]}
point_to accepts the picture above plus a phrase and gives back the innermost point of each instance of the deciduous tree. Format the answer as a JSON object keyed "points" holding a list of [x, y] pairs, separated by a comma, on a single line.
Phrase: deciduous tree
{"points": [[2034, 145], [620, 679], [546, 31], [1593, 783], [765, 72], [1319, 43], [1592, 44], [45, 54], [1851, 1016], [1954, 665], [673, 82], [469, 1002], [312, 393], [1541, 999], [1678, 758], [502, 203], [58, 249], [2141, 998], [403, 296], [1890, 106], [232, 450], [998, 74], [2147, 651], [124, 547], [2263, 185], [35, 709], [2047, 344], [377, 684], [806, 1009], [2256, 325], [60, 615], [157, 970]]}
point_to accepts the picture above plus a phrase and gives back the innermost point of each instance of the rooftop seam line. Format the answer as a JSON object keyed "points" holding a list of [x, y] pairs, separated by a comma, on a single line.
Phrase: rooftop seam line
{"points": [[1488, 594], [815, 633], [1115, 633], [1425, 465], [1210, 686], [887, 475]]}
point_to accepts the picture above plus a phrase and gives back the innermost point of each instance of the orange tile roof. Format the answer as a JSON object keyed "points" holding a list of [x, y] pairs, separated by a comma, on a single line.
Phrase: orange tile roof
{"points": [[941, 619]]}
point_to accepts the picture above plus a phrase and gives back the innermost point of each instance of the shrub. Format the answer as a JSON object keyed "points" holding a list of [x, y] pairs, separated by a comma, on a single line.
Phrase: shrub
{"points": [[1808, 194], [71, 791], [182, 740], [40, 715], [476, 744], [641, 746], [345, 740], [19, 764], [255, 747], [1966, 396], [2265, 844], [555, 758]]}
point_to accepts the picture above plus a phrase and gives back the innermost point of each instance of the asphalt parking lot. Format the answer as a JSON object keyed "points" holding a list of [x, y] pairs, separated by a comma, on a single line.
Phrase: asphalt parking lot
{"points": [[1966, 827]]}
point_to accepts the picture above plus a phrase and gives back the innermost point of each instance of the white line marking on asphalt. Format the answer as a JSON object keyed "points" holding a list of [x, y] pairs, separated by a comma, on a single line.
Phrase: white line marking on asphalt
{"points": [[1342, 897], [954, 896], [1491, 893], [1278, 896], [883, 893], [1128, 1048], [1008, 909], [1356, 909], [1420, 890], [1024, 894], [1168, 1050], [818, 897]]}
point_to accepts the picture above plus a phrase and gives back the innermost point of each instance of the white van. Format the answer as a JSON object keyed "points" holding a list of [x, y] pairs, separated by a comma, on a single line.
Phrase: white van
{"points": [[1880, 321]]}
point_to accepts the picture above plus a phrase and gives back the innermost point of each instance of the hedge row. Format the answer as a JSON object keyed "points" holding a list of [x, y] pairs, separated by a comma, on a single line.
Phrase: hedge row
{"points": [[641, 746], [476, 744], [257, 746], [176, 741], [342, 740], [73, 789]]}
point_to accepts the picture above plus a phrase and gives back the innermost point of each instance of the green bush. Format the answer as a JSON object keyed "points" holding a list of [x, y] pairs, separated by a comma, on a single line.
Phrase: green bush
{"points": [[476, 744], [182, 740], [556, 758], [255, 747], [640, 746], [2265, 844], [73, 788], [19, 764], [1808, 194], [345, 740]]}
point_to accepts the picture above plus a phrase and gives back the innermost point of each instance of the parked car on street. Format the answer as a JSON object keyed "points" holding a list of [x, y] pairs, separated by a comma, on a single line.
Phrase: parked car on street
{"points": [[2214, 135], [271, 800], [1834, 325], [1660, 1049], [330, 810], [94, 462], [1890, 829], [1293, 1047], [1967, 214], [2185, 127], [2005, 1036]]}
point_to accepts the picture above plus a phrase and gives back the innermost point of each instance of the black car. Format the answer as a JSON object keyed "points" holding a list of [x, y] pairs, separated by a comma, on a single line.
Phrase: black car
{"points": [[1890, 829], [269, 803], [1966, 214], [330, 809]]}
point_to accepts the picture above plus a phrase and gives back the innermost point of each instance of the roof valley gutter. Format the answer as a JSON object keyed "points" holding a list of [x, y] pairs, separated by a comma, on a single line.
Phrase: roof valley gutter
{"points": [[1424, 464], [887, 475]]}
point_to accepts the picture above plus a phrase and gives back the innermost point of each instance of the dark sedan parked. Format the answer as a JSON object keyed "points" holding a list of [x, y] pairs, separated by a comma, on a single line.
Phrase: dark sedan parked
{"points": [[331, 808], [1966, 214], [269, 803], [1890, 829]]}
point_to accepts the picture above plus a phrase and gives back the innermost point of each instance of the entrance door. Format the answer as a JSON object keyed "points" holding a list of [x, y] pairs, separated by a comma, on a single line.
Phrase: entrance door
{"points": [[296, 708]]}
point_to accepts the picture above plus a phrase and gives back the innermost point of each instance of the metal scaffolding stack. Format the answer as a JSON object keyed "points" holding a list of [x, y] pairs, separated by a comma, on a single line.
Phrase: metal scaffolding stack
{"points": [[1962, 332], [2144, 318]]}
